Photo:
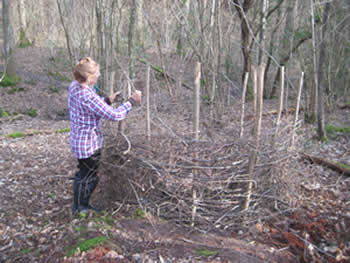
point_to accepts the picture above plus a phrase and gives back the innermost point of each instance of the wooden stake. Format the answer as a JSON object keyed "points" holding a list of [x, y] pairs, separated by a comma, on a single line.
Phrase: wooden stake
{"points": [[255, 86], [280, 106], [148, 111], [197, 84], [297, 110], [245, 84], [254, 154]]}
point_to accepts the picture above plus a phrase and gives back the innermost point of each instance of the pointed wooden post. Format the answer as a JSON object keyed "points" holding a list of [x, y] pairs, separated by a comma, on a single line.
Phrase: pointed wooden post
{"points": [[254, 154], [297, 110], [148, 111], [196, 114]]}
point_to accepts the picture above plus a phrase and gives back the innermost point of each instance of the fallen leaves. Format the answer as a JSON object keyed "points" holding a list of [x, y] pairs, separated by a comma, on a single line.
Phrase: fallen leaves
{"points": [[310, 235]]}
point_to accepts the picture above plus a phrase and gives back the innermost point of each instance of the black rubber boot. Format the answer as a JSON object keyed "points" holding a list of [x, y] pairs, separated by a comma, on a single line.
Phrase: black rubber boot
{"points": [[83, 189], [76, 193], [88, 187]]}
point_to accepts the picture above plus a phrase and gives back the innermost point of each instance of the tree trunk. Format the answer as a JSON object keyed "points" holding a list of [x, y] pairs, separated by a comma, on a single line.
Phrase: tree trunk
{"points": [[101, 41], [321, 131], [139, 23], [314, 93], [215, 52], [183, 20], [166, 24], [242, 11], [22, 22], [131, 39], [66, 32], [9, 37], [265, 4]]}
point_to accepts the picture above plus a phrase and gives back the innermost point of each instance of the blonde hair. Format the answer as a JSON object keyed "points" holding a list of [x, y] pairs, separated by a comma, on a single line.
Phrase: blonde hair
{"points": [[86, 68]]}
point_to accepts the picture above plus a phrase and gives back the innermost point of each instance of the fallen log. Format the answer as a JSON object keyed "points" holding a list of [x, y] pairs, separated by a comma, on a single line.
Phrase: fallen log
{"points": [[344, 106], [337, 166]]}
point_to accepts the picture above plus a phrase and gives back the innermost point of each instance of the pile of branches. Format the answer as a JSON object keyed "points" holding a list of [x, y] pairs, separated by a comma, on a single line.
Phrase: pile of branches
{"points": [[186, 181]]}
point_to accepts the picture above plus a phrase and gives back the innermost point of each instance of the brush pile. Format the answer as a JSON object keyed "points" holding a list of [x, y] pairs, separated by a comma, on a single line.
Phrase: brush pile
{"points": [[200, 182]]}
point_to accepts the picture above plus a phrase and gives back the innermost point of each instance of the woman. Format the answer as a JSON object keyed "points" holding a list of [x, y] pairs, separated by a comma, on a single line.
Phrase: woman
{"points": [[86, 109]]}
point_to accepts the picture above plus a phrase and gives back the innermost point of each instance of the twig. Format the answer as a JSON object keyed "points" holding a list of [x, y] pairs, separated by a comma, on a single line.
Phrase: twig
{"points": [[152, 166], [166, 126], [7, 246], [129, 144], [223, 216], [116, 211], [309, 243]]}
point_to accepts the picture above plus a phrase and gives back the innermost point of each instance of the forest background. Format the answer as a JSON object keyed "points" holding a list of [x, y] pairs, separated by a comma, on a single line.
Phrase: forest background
{"points": [[246, 116]]}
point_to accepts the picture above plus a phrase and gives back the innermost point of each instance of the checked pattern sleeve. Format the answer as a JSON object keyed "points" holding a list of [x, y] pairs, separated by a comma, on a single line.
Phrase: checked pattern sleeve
{"points": [[86, 109]]}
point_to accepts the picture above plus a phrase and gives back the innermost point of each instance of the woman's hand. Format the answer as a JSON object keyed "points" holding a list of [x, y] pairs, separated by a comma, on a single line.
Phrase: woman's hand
{"points": [[113, 97], [136, 96]]}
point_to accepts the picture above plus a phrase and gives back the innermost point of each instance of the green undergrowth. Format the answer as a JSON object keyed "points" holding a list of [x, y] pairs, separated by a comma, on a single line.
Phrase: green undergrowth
{"points": [[347, 167], [4, 113], [13, 90], [15, 135], [139, 213], [31, 112], [36, 132], [206, 252], [87, 244], [9, 81], [87, 233], [64, 130], [26, 251], [23, 41], [331, 129], [104, 220]]}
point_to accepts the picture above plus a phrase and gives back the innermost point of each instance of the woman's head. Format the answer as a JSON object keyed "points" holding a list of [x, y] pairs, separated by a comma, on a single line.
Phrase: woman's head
{"points": [[87, 71]]}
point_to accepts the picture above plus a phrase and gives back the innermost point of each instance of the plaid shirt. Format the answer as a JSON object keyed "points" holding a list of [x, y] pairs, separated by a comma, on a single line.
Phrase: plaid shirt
{"points": [[86, 109]]}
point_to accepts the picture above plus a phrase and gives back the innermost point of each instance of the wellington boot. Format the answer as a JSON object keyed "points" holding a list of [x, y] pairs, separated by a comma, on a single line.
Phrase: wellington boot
{"points": [[83, 189]]}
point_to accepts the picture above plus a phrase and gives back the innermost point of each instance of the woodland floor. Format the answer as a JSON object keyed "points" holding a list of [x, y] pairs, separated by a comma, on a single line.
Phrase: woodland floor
{"points": [[36, 224]]}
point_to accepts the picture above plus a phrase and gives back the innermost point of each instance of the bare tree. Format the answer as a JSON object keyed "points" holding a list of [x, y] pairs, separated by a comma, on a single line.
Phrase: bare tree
{"points": [[9, 37], [264, 7], [131, 34], [321, 131], [139, 23], [242, 9], [314, 92], [22, 22], [182, 18]]}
